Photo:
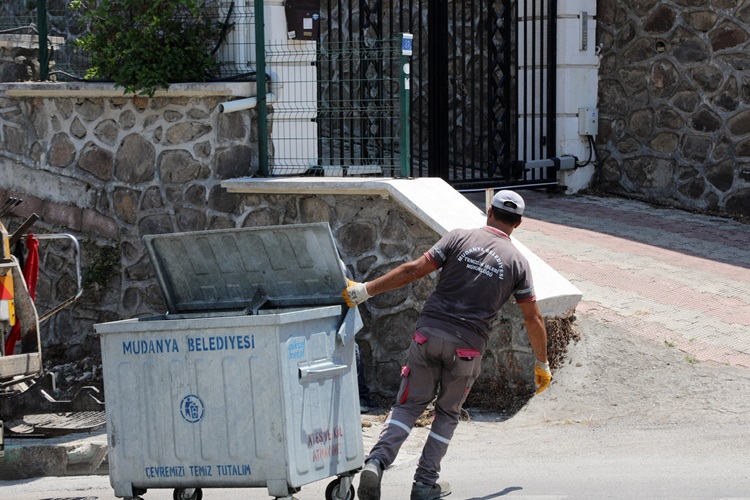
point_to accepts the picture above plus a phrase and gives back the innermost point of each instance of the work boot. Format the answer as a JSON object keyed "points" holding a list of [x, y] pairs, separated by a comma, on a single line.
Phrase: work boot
{"points": [[369, 481], [421, 491], [366, 404]]}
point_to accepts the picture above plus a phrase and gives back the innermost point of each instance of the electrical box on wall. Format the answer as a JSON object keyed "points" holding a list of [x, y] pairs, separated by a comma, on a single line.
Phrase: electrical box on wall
{"points": [[583, 19], [302, 19], [588, 121]]}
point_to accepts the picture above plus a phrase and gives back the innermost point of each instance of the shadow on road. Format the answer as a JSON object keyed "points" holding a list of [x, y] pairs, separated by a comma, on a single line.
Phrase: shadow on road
{"points": [[510, 489]]}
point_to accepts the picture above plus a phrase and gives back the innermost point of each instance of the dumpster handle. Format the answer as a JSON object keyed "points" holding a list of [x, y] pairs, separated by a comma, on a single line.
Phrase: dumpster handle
{"points": [[325, 369]]}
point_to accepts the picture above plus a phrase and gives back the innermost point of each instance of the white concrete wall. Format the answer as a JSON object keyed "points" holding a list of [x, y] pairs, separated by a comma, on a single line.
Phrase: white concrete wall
{"points": [[294, 82], [577, 85]]}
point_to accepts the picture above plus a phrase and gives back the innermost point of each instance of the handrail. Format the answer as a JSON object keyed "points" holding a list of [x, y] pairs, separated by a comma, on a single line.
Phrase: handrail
{"points": [[79, 292]]}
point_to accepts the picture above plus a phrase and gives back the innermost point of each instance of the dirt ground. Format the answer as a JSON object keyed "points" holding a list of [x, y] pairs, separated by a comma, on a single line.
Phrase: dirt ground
{"points": [[616, 379], [613, 377], [608, 376]]}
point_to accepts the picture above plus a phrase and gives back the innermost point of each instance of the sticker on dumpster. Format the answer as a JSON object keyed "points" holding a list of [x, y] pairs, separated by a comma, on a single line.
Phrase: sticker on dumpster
{"points": [[325, 443], [158, 471], [161, 471], [296, 347], [194, 344], [151, 346], [191, 408], [221, 343]]}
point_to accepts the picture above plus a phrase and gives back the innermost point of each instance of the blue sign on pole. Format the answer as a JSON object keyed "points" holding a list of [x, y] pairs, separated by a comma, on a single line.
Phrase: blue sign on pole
{"points": [[407, 41]]}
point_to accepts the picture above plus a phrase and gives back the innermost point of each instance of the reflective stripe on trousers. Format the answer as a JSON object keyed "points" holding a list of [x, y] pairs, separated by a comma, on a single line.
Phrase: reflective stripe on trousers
{"points": [[433, 362]]}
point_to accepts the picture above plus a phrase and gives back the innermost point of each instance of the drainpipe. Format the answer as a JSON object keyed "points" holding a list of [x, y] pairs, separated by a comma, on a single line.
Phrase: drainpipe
{"points": [[242, 104]]}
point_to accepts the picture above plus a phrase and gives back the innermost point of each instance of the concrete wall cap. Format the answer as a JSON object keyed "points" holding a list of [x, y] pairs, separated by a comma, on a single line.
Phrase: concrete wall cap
{"points": [[433, 201], [90, 89]]}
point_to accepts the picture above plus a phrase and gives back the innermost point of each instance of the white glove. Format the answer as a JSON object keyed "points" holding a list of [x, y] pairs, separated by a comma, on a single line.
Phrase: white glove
{"points": [[355, 293]]}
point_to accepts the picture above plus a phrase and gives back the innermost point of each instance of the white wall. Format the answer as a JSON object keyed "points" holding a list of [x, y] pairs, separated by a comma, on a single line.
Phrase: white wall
{"points": [[577, 86]]}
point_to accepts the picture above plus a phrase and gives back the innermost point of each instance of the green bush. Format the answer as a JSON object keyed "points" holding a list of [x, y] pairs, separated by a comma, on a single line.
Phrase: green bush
{"points": [[143, 45]]}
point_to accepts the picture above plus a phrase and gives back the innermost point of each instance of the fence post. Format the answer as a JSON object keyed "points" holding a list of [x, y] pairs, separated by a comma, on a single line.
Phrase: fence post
{"points": [[41, 22], [437, 81], [260, 88], [407, 40], [552, 79]]}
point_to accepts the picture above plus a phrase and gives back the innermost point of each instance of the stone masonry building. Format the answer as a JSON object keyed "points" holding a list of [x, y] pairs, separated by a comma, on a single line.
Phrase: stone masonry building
{"points": [[674, 100]]}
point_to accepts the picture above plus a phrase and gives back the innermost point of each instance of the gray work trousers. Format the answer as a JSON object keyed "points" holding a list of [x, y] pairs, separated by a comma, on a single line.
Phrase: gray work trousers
{"points": [[438, 364]]}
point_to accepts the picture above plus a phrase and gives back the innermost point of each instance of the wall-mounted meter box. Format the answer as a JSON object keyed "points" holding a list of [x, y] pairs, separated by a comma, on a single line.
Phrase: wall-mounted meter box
{"points": [[588, 121], [302, 19]]}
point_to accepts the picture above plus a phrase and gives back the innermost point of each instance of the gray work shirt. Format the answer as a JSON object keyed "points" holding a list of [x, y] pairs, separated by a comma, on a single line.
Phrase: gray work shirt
{"points": [[479, 270]]}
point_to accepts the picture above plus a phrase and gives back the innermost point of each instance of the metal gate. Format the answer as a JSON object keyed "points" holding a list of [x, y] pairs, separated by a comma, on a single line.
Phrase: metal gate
{"points": [[482, 83]]}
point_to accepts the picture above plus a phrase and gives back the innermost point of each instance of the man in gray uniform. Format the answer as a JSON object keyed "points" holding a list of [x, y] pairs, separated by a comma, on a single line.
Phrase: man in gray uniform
{"points": [[480, 270]]}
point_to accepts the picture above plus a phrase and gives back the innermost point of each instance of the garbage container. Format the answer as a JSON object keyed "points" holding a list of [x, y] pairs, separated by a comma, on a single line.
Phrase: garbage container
{"points": [[249, 380]]}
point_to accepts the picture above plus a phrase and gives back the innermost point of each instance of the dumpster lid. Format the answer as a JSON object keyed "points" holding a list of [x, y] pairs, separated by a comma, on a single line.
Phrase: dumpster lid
{"points": [[245, 269]]}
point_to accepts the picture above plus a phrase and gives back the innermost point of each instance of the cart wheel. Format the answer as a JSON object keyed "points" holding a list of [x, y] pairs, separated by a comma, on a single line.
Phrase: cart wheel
{"points": [[185, 494], [333, 492], [137, 494]]}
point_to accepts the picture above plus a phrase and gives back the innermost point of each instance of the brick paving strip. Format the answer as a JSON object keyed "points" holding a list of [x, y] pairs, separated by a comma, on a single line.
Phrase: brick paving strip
{"points": [[672, 276]]}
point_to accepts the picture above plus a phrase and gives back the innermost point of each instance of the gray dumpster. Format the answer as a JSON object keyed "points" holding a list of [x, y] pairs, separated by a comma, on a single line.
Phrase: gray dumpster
{"points": [[249, 380]]}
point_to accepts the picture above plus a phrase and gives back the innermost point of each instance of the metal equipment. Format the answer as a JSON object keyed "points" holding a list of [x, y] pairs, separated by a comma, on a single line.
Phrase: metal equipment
{"points": [[27, 406]]}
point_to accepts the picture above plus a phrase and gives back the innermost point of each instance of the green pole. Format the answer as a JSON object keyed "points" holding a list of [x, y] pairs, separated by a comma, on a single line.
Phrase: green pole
{"points": [[407, 40], [260, 86], [41, 22]]}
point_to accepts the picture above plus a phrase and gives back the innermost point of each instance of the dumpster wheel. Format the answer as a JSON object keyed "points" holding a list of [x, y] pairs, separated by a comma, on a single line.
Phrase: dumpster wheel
{"points": [[337, 491], [187, 494]]}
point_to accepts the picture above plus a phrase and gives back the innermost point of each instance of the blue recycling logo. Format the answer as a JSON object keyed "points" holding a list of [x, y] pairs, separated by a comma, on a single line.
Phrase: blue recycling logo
{"points": [[191, 408]]}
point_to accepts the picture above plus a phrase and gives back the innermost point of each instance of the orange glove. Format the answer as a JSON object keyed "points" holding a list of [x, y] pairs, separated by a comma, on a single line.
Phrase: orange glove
{"points": [[542, 376], [355, 293]]}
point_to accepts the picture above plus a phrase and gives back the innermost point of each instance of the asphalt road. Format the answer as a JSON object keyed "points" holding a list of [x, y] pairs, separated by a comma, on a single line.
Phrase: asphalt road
{"points": [[611, 465]]}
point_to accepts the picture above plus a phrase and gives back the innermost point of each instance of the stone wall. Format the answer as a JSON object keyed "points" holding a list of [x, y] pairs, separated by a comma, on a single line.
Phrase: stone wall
{"points": [[674, 101], [109, 171]]}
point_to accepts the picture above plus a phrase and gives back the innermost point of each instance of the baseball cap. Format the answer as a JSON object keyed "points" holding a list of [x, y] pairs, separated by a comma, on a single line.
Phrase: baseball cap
{"points": [[509, 201]]}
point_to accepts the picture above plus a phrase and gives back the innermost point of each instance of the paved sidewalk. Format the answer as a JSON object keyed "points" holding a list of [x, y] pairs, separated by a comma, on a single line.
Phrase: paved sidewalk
{"points": [[666, 274]]}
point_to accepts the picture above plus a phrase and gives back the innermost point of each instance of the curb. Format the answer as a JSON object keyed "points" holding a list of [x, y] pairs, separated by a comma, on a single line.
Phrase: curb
{"points": [[81, 454]]}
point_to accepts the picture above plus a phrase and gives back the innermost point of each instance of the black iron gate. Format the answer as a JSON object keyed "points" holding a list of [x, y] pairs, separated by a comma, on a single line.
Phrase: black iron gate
{"points": [[482, 83]]}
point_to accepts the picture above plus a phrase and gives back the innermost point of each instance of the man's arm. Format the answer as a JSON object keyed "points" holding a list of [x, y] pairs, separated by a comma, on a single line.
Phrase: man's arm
{"points": [[356, 293], [532, 316], [538, 337], [404, 274]]}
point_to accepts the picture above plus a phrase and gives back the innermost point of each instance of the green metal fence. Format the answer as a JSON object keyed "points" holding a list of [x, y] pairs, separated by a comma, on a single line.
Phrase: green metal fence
{"points": [[341, 108]]}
